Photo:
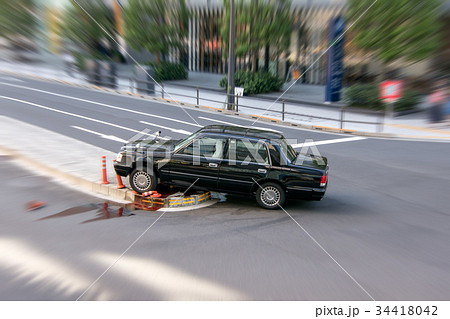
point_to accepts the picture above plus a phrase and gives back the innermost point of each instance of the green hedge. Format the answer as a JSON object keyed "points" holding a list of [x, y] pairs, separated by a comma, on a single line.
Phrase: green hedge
{"points": [[408, 101], [254, 83], [367, 96], [167, 71], [363, 95]]}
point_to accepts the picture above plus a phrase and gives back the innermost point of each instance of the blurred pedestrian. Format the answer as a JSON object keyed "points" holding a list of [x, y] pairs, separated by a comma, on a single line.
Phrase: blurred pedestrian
{"points": [[436, 100], [447, 109], [69, 62], [289, 74], [293, 73]]}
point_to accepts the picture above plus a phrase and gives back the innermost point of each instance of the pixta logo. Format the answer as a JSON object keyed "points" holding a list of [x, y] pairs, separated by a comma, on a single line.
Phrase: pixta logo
{"points": [[337, 311], [145, 148]]}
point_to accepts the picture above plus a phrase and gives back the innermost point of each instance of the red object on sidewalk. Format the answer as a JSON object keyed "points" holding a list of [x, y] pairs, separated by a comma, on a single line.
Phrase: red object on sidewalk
{"points": [[119, 181], [105, 178], [155, 195], [391, 91], [32, 205]]}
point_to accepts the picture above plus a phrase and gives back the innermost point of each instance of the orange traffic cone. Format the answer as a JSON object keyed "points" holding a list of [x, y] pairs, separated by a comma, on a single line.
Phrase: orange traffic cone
{"points": [[119, 181], [148, 193], [105, 178]]}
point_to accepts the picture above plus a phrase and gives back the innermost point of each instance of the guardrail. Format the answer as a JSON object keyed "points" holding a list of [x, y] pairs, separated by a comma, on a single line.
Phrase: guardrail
{"points": [[101, 79], [340, 119]]}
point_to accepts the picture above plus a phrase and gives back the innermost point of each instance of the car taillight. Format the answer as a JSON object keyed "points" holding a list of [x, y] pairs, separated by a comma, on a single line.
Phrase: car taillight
{"points": [[323, 180]]}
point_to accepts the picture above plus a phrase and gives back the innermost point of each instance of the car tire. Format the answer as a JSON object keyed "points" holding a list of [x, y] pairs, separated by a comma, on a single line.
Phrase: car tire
{"points": [[270, 196], [143, 180]]}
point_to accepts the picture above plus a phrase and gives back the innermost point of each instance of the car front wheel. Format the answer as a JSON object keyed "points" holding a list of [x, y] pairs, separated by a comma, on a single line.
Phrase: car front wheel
{"points": [[142, 180], [270, 196]]}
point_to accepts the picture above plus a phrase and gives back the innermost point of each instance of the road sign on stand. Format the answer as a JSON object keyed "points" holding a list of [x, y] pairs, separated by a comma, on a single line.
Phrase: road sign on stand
{"points": [[390, 92], [238, 91]]}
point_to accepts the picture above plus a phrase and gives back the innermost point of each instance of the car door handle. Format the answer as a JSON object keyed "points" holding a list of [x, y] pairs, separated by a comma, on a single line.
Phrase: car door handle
{"points": [[262, 170], [213, 165]]}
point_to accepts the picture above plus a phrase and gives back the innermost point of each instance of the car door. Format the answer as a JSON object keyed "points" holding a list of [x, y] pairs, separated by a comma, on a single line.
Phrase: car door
{"points": [[245, 160], [198, 162]]}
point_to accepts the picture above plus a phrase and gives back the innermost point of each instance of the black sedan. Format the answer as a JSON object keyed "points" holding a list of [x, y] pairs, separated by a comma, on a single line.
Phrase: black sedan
{"points": [[229, 159]]}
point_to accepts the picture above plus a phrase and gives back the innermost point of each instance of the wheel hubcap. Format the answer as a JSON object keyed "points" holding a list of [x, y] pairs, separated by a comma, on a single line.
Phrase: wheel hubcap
{"points": [[142, 180], [270, 196]]}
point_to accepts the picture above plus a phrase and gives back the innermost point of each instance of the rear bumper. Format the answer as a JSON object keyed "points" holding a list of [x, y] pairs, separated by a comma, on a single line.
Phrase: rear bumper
{"points": [[306, 193]]}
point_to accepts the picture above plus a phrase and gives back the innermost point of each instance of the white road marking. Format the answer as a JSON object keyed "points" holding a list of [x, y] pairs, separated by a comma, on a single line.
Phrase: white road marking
{"points": [[102, 104], [76, 115], [218, 121], [108, 137], [233, 124], [337, 140], [167, 128]]}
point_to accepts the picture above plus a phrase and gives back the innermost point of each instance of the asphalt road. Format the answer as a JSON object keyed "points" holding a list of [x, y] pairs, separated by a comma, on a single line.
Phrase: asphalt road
{"points": [[382, 231]]}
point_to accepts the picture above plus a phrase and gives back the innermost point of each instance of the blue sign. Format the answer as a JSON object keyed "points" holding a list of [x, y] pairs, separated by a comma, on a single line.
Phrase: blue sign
{"points": [[335, 61]]}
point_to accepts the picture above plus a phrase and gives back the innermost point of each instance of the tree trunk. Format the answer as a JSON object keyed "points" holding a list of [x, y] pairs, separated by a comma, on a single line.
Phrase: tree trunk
{"points": [[255, 61], [267, 58]]}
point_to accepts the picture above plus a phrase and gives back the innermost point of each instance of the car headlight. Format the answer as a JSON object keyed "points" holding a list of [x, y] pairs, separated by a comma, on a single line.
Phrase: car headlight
{"points": [[119, 157]]}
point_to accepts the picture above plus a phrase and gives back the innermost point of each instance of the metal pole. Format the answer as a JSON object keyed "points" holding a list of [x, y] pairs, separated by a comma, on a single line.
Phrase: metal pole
{"points": [[162, 90], [282, 110], [231, 59], [198, 96], [381, 123], [237, 103], [342, 118], [378, 124]]}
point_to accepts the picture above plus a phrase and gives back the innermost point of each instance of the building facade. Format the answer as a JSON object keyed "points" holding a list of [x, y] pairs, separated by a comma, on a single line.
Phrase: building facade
{"points": [[309, 40]]}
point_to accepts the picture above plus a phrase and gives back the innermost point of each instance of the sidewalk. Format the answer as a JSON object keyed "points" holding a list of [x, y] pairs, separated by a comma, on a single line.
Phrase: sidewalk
{"points": [[53, 66], [297, 93], [46, 153], [408, 126]]}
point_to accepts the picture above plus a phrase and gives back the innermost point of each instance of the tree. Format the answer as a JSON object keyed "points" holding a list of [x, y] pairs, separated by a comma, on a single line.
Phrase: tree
{"points": [[156, 26], [93, 36], [279, 32], [260, 24], [400, 29], [17, 20]]}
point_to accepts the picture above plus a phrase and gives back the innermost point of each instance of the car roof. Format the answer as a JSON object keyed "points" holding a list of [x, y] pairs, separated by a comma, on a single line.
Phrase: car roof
{"points": [[243, 131]]}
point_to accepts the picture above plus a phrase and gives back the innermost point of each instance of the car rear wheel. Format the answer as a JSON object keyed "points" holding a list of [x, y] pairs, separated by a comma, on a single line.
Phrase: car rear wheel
{"points": [[270, 196], [142, 180]]}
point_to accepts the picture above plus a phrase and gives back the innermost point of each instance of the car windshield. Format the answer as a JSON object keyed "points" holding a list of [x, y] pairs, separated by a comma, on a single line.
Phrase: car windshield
{"points": [[186, 140], [287, 150]]}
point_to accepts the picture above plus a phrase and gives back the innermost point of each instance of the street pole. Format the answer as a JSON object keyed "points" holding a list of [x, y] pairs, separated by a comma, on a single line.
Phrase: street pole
{"points": [[231, 60]]}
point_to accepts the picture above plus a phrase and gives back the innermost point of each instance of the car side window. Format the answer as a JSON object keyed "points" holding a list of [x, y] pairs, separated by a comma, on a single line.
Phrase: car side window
{"points": [[274, 154], [211, 147], [247, 151]]}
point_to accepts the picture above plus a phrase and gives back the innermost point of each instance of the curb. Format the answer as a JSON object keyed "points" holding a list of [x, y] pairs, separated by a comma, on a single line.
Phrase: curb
{"points": [[248, 116], [79, 184], [109, 191]]}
